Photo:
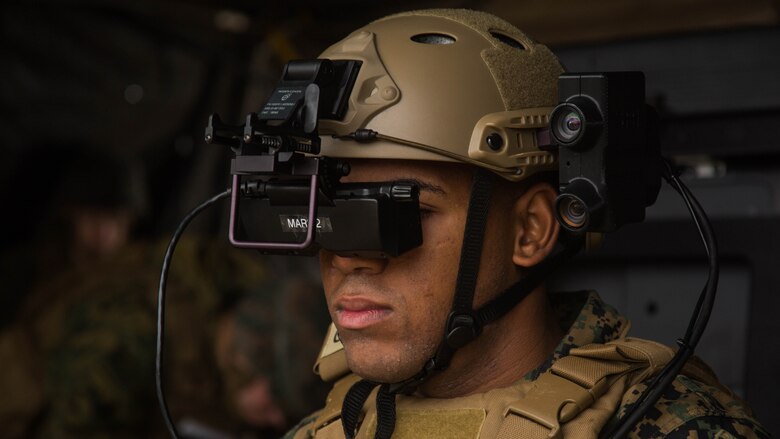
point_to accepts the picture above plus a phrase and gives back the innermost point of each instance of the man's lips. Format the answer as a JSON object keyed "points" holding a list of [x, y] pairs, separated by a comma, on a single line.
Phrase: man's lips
{"points": [[359, 313]]}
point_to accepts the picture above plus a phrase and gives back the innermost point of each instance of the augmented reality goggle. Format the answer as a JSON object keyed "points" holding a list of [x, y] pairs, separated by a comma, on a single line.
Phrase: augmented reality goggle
{"points": [[287, 200]]}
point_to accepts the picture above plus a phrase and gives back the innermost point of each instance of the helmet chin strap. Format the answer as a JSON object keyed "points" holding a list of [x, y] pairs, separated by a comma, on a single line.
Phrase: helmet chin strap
{"points": [[464, 323]]}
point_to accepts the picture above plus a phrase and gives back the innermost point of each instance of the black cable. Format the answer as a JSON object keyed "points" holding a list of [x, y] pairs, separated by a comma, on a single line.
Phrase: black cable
{"points": [[158, 373], [692, 205], [699, 319], [706, 304]]}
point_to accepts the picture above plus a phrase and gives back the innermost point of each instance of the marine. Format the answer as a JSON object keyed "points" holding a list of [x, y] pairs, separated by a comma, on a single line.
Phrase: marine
{"points": [[451, 100]]}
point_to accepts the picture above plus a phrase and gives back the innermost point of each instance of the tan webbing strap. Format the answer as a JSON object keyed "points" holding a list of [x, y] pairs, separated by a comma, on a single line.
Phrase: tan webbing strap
{"points": [[552, 401], [590, 364], [587, 372], [574, 382]]}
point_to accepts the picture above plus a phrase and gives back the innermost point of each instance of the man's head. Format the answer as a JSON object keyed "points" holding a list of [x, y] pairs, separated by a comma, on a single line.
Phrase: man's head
{"points": [[391, 312], [99, 201], [447, 91]]}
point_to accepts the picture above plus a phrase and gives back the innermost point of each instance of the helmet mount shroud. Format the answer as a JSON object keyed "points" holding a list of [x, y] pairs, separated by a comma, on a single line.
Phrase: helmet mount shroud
{"points": [[440, 85]]}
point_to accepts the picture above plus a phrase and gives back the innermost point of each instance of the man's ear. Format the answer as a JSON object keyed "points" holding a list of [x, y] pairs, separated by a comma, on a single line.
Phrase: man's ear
{"points": [[536, 229]]}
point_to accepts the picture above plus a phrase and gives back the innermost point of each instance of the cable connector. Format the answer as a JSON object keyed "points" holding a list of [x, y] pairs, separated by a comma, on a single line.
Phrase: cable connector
{"points": [[668, 172], [362, 135], [252, 188]]}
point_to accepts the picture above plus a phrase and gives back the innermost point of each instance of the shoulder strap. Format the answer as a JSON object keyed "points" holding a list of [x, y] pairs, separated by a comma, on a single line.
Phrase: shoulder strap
{"points": [[576, 381]]}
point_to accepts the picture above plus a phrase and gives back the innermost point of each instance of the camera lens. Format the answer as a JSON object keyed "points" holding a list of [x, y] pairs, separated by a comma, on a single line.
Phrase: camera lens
{"points": [[580, 207], [573, 212], [567, 124], [573, 122]]}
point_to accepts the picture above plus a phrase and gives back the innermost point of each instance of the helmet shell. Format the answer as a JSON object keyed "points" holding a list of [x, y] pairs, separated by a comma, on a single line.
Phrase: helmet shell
{"points": [[435, 83]]}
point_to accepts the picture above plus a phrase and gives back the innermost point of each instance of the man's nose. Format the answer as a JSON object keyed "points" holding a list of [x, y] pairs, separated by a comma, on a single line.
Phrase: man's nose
{"points": [[355, 264]]}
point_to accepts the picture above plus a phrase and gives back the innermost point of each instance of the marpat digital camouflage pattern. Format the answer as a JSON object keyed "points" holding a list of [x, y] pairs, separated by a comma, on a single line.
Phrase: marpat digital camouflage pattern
{"points": [[688, 409]]}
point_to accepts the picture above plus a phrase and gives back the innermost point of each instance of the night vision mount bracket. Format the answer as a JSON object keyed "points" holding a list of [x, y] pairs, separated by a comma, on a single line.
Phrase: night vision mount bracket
{"points": [[278, 186]]}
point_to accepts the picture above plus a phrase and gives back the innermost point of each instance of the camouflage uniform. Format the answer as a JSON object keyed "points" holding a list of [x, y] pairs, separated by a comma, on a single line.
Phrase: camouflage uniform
{"points": [[688, 409], [79, 359]]}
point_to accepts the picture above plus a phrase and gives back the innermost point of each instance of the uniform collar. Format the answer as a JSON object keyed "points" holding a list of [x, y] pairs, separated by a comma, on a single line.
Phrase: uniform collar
{"points": [[585, 319]]}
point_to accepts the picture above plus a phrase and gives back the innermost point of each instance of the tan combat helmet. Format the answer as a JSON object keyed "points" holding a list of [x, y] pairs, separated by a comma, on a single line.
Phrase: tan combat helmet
{"points": [[447, 85]]}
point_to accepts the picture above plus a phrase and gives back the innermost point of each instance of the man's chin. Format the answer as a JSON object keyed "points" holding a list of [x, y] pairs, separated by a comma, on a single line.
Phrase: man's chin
{"points": [[382, 367]]}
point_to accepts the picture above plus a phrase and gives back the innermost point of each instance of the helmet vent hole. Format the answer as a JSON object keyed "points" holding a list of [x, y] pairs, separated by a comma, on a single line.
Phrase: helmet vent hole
{"points": [[506, 39], [431, 38]]}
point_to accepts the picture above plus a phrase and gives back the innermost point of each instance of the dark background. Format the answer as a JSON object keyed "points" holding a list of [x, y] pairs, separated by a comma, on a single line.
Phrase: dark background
{"points": [[139, 79]]}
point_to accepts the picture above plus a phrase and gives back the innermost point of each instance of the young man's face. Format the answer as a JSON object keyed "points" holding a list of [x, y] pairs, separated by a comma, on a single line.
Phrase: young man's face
{"points": [[391, 313]]}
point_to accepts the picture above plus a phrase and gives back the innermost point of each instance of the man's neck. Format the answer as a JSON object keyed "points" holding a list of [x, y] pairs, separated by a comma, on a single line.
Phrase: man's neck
{"points": [[506, 350]]}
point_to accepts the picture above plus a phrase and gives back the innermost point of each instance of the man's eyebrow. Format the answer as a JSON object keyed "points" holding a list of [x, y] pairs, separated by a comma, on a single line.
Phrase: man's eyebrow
{"points": [[424, 185]]}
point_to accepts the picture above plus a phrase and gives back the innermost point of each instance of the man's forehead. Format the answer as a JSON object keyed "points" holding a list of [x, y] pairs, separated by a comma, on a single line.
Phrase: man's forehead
{"points": [[434, 177]]}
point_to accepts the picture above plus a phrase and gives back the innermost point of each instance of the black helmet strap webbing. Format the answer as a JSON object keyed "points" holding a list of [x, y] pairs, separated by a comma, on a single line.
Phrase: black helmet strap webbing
{"points": [[460, 323], [354, 400], [509, 298]]}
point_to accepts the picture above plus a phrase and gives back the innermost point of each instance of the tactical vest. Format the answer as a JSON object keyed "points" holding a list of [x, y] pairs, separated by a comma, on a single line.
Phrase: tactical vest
{"points": [[575, 398]]}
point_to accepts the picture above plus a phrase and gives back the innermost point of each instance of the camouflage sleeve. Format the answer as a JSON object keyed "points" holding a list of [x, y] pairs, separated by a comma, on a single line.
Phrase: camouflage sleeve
{"points": [[303, 429], [98, 353], [90, 373], [692, 409], [97, 374], [718, 427], [21, 380]]}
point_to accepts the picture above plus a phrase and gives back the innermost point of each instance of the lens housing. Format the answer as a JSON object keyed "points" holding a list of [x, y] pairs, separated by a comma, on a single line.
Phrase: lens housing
{"points": [[576, 123], [578, 206], [573, 212]]}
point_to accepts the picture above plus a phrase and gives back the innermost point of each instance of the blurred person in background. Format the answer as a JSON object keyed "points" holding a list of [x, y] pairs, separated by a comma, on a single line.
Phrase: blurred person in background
{"points": [[100, 200], [74, 205], [79, 352]]}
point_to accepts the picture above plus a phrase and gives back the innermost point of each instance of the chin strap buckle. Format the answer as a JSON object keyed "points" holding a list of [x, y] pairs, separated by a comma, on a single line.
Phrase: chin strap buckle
{"points": [[462, 327]]}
